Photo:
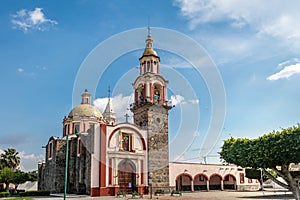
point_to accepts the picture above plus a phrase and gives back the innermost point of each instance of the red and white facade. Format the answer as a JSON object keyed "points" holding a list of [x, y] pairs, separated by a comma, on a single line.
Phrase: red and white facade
{"points": [[120, 164]]}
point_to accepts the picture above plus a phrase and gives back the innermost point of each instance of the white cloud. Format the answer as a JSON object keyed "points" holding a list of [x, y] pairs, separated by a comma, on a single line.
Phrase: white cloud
{"points": [[29, 162], [31, 20], [280, 20], [286, 72], [193, 101], [20, 70], [1, 151], [120, 104], [178, 99]]}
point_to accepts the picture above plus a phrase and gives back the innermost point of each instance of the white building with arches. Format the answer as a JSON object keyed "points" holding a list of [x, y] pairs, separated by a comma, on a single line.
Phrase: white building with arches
{"points": [[206, 177]]}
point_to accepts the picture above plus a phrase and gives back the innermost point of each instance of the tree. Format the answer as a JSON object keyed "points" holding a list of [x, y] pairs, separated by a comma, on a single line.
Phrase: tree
{"points": [[6, 176], [32, 176], [19, 178], [10, 158], [276, 151]]}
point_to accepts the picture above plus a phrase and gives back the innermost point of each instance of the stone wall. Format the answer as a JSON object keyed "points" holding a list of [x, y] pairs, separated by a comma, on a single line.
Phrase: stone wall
{"points": [[51, 173], [154, 118]]}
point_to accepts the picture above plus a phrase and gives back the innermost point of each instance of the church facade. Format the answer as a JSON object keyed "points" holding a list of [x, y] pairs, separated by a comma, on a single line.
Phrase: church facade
{"points": [[105, 156]]}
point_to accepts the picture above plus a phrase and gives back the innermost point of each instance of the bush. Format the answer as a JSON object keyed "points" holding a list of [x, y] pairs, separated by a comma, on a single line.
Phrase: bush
{"points": [[34, 193], [4, 194]]}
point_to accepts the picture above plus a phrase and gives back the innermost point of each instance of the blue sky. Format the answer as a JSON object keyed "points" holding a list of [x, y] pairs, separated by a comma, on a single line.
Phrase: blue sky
{"points": [[254, 46]]}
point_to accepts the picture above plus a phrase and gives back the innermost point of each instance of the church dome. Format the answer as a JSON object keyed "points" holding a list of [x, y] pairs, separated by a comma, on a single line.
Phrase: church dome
{"points": [[149, 52], [85, 110]]}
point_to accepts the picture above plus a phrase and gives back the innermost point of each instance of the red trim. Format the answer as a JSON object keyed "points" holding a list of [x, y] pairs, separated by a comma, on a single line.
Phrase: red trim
{"points": [[184, 174], [151, 92], [242, 178], [136, 95], [215, 174], [201, 175], [144, 90], [231, 176], [142, 172], [140, 136], [94, 192], [102, 168], [112, 191]]}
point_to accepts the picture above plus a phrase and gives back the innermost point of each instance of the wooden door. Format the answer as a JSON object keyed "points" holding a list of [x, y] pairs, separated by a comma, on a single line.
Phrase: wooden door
{"points": [[127, 176]]}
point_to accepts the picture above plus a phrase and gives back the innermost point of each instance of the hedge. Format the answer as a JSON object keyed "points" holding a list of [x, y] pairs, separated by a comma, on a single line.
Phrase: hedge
{"points": [[4, 194], [34, 193]]}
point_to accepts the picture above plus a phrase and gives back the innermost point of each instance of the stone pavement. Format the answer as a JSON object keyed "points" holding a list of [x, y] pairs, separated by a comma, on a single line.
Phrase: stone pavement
{"points": [[213, 195]]}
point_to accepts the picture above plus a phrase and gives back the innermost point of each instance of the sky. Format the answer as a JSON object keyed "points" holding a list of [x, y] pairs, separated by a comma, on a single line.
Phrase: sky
{"points": [[251, 49]]}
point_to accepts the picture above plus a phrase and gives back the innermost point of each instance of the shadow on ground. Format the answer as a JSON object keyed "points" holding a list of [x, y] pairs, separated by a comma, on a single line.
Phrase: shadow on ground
{"points": [[275, 196]]}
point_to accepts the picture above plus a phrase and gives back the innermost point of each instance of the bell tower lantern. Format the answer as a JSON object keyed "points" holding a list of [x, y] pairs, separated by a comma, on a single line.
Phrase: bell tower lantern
{"points": [[150, 86]]}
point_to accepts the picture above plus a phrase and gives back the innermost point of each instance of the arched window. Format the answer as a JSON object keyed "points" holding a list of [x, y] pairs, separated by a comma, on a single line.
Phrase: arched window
{"points": [[148, 66], [156, 94]]}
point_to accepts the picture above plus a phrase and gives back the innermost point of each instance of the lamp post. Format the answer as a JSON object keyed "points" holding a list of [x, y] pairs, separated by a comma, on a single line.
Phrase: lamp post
{"points": [[150, 184], [67, 159]]}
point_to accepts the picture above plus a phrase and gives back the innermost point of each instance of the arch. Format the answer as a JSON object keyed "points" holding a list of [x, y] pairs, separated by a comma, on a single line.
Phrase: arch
{"points": [[127, 176], [215, 182], [200, 182], [157, 92], [183, 182], [229, 182], [135, 131]]}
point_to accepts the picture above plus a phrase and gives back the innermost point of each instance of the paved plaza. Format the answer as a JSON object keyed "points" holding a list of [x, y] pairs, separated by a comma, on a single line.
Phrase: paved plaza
{"points": [[213, 195]]}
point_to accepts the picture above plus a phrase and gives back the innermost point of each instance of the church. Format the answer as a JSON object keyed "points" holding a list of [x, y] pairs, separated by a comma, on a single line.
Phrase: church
{"points": [[99, 156]]}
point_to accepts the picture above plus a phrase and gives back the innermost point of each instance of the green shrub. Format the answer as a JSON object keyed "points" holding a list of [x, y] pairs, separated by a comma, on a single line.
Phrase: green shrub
{"points": [[4, 194], [34, 193]]}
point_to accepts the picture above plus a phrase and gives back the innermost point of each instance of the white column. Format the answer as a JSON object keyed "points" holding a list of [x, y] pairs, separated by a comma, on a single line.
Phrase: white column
{"points": [[192, 185], [207, 185], [222, 185], [116, 175]]}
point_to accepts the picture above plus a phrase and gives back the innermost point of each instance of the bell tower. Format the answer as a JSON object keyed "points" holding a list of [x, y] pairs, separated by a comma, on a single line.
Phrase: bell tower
{"points": [[150, 109]]}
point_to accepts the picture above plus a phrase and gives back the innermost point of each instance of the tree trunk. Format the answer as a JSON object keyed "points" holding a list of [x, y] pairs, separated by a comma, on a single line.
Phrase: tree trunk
{"points": [[274, 179], [292, 183], [296, 193], [6, 186]]}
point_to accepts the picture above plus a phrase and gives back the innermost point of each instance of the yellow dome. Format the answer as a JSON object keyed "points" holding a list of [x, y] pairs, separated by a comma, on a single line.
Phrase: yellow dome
{"points": [[149, 52], [85, 110]]}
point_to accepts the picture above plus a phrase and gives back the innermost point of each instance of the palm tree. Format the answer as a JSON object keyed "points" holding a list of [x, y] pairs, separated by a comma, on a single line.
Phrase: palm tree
{"points": [[10, 158]]}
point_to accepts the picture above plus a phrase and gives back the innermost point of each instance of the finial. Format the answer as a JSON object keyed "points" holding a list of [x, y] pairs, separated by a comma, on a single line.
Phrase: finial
{"points": [[108, 91], [86, 90], [148, 25]]}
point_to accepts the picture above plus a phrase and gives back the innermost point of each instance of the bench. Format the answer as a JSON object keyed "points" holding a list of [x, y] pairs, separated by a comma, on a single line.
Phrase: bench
{"points": [[119, 194], [160, 191], [136, 194], [176, 192]]}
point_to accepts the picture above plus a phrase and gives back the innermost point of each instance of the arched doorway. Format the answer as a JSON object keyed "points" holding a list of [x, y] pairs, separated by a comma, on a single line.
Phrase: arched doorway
{"points": [[229, 182], [127, 176], [215, 182], [183, 182], [200, 182]]}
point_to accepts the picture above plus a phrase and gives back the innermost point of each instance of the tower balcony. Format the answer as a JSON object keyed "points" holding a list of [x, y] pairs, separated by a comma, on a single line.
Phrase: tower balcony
{"points": [[141, 103]]}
